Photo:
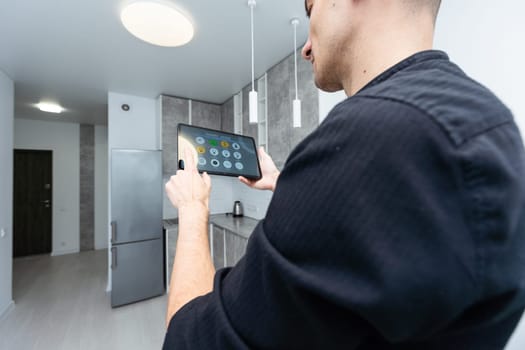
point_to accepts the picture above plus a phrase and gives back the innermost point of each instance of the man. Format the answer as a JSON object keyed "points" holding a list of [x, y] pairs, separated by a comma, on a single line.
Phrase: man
{"points": [[399, 223]]}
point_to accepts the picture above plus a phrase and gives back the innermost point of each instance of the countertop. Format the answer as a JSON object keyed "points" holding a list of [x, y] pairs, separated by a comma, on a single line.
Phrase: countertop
{"points": [[243, 226]]}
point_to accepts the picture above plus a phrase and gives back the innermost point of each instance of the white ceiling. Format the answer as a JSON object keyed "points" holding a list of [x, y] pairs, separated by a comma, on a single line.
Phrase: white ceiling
{"points": [[74, 52]]}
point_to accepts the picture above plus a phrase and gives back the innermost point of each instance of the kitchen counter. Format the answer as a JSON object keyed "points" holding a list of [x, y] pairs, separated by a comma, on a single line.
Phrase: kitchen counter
{"points": [[242, 226]]}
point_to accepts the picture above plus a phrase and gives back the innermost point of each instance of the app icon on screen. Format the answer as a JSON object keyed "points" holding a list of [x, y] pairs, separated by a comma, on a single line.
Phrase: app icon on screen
{"points": [[200, 140]]}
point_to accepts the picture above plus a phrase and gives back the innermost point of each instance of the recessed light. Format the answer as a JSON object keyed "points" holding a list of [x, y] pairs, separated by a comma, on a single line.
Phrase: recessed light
{"points": [[50, 107], [157, 23]]}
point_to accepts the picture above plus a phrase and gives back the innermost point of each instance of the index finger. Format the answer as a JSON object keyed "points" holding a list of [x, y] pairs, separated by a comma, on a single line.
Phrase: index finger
{"points": [[189, 160]]}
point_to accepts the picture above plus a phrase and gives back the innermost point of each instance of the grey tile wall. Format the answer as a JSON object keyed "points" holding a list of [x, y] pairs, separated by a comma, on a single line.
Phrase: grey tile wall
{"points": [[87, 187], [282, 136], [309, 97], [280, 111], [206, 115], [227, 116], [175, 110]]}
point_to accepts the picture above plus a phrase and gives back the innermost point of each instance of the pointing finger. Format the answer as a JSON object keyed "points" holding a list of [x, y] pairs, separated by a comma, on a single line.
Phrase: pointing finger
{"points": [[189, 159]]}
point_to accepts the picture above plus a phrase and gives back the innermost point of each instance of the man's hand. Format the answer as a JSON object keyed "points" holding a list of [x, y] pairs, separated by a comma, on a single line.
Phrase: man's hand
{"points": [[270, 173], [187, 186], [193, 269]]}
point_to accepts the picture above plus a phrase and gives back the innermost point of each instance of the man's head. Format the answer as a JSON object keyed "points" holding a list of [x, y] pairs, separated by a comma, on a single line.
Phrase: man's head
{"points": [[348, 37]]}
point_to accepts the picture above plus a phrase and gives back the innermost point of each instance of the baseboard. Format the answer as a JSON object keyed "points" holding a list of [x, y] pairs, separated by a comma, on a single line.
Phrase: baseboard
{"points": [[9, 307], [65, 252]]}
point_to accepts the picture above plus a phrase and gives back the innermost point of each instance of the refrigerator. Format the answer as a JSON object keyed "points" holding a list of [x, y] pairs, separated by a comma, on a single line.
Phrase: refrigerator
{"points": [[137, 246]]}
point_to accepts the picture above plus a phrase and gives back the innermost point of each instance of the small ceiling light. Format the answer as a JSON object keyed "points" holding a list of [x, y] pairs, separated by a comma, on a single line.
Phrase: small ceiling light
{"points": [[297, 101], [50, 107], [157, 23], [252, 96]]}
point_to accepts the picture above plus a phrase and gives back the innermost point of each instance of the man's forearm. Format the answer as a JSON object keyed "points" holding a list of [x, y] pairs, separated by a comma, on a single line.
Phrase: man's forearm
{"points": [[193, 269]]}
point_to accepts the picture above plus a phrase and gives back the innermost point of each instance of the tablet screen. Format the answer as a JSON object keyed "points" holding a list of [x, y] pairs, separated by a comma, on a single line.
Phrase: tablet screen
{"points": [[218, 152]]}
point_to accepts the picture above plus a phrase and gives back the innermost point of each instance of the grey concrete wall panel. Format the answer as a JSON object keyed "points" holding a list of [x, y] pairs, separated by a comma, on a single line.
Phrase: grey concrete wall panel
{"points": [[174, 111], [227, 123], [279, 111], [206, 115], [87, 187], [309, 97]]}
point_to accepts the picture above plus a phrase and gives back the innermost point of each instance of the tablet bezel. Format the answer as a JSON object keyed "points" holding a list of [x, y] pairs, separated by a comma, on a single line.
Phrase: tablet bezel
{"points": [[222, 173]]}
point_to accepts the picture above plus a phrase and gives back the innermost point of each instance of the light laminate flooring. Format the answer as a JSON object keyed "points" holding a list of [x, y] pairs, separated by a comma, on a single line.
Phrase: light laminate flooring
{"points": [[61, 303]]}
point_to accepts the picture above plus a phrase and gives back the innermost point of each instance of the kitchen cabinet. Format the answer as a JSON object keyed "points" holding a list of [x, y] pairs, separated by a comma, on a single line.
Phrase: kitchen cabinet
{"points": [[218, 244], [229, 238], [235, 246], [228, 247]]}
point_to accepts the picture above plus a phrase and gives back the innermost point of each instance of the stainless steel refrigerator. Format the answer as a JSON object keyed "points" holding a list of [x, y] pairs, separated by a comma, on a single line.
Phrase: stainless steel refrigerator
{"points": [[137, 252]]}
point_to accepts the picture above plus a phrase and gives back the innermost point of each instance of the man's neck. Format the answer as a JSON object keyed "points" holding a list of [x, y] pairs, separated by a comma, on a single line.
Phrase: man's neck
{"points": [[381, 46]]}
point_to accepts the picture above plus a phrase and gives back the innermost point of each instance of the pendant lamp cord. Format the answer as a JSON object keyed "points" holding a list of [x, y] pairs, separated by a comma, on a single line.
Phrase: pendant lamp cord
{"points": [[295, 57], [253, 60]]}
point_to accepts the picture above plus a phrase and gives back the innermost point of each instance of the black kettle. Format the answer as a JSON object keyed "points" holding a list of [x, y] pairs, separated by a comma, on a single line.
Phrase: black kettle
{"points": [[237, 209]]}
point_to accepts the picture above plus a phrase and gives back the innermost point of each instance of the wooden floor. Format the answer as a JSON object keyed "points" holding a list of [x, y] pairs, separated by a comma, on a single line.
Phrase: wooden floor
{"points": [[61, 303]]}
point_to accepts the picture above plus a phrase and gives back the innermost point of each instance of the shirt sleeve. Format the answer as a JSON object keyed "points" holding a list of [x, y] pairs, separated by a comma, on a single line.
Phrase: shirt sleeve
{"points": [[365, 237]]}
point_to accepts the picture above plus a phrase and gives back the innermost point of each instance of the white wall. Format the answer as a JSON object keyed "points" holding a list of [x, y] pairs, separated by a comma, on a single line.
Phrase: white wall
{"points": [[327, 101], [63, 140], [101, 187], [487, 39], [6, 192]]}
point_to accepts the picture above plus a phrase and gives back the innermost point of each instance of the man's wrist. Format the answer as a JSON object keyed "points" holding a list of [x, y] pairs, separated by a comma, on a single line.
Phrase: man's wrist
{"points": [[194, 213]]}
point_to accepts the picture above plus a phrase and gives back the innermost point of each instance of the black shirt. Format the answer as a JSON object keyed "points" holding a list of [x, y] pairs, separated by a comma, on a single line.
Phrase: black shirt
{"points": [[399, 223]]}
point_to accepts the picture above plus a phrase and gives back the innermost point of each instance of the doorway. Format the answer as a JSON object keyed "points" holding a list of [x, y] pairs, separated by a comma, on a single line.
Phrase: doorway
{"points": [[32, 202]]}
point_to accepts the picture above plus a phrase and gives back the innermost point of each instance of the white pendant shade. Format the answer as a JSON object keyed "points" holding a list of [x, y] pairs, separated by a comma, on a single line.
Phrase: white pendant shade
{"points": [[296, 113], [253, 106]]}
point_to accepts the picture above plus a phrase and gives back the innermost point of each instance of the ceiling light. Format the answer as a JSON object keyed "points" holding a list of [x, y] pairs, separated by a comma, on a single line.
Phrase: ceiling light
{"points": [[157, 23], [50, 107]]}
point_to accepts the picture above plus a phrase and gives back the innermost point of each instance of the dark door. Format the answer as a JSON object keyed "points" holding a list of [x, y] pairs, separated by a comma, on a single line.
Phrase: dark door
{"points": [[32, 202]]}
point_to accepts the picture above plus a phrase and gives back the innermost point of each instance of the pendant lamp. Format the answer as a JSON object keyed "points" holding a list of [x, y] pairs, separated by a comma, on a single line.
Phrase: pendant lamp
{"points": [[253, 94], [296, 101]]}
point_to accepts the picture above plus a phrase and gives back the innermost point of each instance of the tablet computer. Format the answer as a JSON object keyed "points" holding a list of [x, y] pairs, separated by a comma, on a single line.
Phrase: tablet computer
{"points": [[218, 152]]}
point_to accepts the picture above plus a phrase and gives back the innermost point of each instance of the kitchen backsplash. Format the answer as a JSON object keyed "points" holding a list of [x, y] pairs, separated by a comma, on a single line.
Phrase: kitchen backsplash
{"points": [[225, 191]]}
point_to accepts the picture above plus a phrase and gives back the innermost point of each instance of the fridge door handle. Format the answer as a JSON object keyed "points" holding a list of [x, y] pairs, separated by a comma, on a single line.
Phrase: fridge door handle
{"points": [[113, 231], [113, 258]]}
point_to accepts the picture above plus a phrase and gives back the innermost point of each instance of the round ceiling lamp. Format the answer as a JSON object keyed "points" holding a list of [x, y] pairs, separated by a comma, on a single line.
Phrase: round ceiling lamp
{"points": [[157, 23]]}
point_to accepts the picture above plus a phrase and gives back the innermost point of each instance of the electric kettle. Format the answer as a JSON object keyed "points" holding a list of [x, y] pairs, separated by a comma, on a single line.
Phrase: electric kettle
{"points": [[237, 209]]}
